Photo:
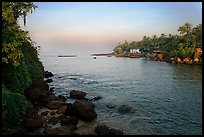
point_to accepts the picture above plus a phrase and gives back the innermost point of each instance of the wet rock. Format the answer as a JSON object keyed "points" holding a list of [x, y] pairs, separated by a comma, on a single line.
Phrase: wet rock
{"points": [[124, 109], [110, 106], [114, 131], [102, 130], [62, 97], [77, 94], [62, 130], [51, 89], [55, 104], [48, 74], [49, 80], [84, 110], [96, 98]]}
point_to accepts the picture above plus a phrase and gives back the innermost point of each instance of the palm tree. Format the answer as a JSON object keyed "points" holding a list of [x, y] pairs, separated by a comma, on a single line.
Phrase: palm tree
{"points": [[185, 29]]}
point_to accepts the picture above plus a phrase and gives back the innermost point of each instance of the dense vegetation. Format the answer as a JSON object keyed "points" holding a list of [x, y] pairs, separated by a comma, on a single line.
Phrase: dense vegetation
{"points": [[183, 45], [20, 62]]}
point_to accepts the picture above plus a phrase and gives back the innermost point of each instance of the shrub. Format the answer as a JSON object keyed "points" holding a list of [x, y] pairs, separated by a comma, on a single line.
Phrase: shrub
{"points": [[15, 104]]}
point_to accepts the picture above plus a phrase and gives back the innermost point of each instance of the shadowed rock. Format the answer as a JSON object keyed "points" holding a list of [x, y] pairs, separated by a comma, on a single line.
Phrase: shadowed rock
{"points": [[77, 94], [84, 110]]}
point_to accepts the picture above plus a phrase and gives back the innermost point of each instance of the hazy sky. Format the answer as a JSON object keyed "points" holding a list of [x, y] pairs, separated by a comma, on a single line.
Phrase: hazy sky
{"points": [[67, 27]]}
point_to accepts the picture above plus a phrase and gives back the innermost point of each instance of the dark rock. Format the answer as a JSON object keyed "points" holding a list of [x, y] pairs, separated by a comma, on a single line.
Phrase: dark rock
{"points": [[73, 78], [73, 120], [96, 98], [44, 113], [33, 123], [65, 120], [55, 104], [46, 93], [77, 94], [124, 109], [84, 110], [102, 130], [72, 127], [52, 89], [69, 109], [114, 131], [62, 97], [40, 83], [48, 74], [49, 80], [62, 130], [52, 112], [52, 97], [110, 106], [62, 109], [54, 120], [33, 93]]}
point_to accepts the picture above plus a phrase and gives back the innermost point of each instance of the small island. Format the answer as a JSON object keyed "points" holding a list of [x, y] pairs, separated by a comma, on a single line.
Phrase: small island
{"points": [[67, 56]]}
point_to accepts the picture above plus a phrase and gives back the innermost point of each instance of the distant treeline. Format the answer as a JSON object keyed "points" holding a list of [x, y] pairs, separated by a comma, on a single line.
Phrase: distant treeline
{"points": [[182, 46]]}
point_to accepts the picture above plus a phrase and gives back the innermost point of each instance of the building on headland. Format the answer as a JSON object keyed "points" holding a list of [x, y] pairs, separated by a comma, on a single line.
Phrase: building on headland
{"points": [[135, 51]]}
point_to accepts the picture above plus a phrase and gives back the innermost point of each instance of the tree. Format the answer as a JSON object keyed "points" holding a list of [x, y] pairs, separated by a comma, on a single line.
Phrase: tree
{"points": [[185, 29], [12, 36]]}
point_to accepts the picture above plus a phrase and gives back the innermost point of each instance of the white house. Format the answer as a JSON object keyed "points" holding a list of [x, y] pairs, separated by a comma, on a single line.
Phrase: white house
{"points": [[134, 51]]}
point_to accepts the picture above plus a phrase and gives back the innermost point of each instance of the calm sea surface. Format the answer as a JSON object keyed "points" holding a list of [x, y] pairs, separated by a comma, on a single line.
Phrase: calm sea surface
{"points": [[165, 98]]}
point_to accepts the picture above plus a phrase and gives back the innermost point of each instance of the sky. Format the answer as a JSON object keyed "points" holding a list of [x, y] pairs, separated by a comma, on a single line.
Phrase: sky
{"points": [[97, 27]]}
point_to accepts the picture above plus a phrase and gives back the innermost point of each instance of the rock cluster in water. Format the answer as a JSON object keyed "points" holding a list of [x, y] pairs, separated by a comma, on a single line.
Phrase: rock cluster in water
{"points": [[48, 114]]}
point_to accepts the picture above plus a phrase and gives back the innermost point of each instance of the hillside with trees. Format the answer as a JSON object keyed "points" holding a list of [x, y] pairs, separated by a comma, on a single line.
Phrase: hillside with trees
{"points": [[20, 62], [187, 45]]}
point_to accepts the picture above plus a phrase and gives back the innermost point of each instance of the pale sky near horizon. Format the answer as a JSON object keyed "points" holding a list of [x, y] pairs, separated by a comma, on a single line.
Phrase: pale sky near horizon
{"points": [[66, 27]]}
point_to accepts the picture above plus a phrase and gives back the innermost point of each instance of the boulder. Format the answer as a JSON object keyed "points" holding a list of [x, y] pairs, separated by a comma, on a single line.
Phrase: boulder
{"points": [[62, 130], [62, 98], [55, 104], [69, 109], [49, 80], [48, 74], [65, 120], [124, 109], [179, 61], [110, 106], [52, 97], [33, 123], [33, 93], [114, 131], [102, 130], [77, 94], [40, 83], [84, 110], [51, 89], [96, 98], [62, 109]]}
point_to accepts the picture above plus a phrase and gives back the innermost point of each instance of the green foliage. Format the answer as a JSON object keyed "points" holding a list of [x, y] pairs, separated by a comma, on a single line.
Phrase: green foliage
{"points": [[15, 104], [20, 62], [172, 45], [12, 36]]}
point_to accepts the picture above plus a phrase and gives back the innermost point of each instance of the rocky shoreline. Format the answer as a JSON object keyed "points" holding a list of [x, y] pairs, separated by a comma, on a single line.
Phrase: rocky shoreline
{"points": [[48, 114], [158, 57]]}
